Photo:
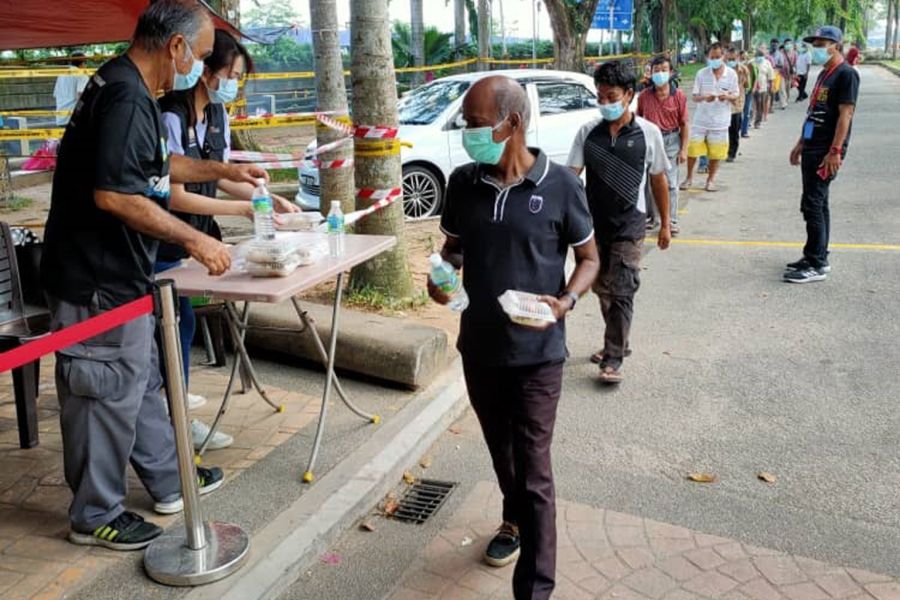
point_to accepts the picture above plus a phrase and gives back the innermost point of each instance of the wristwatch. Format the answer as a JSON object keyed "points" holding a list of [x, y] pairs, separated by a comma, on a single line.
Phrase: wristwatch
{"points": [[834, 150], [572, 296]]}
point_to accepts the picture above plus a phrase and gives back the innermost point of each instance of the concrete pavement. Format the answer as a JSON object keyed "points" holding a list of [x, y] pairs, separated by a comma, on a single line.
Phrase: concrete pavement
{"points": [[734, 372]]}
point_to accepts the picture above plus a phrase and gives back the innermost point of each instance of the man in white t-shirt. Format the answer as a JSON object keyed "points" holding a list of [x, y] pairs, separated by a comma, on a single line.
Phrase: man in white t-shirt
{"points": [[804, 61], [68, 89], [716, 87]]}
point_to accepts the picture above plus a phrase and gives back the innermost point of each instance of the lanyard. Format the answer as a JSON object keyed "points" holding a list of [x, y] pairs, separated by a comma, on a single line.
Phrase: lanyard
{"points": [[825, 75]]}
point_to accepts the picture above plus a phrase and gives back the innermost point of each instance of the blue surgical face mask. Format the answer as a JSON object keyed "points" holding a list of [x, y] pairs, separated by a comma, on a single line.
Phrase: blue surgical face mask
{"points": [[760, 59], [714, 63], [227, 92], [788, 47], [480, 145], [612, 111], [186, 82], [661, 78], [820, 56], [732, 63]]}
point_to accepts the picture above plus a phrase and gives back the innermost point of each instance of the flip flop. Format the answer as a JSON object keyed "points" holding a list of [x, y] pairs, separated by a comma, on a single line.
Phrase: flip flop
{"points": [[610, 375], [712, 187], [597, 357], [685, 185]]}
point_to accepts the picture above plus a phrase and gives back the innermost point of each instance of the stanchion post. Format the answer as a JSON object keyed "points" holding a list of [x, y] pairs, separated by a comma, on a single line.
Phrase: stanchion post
{"points": [[205, 551]]}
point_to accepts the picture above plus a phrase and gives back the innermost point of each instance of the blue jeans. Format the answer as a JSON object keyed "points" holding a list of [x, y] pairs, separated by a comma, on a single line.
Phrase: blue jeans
{"points": [[745, 124], [187, 323]]}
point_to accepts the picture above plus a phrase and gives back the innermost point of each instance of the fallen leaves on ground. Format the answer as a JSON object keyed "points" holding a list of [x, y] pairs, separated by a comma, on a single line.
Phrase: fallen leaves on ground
{"points": [[767, 477], [409, 477], [425, 463], [390, 504], [455, 430], [466, 541], [702, 477], [367, 526]]}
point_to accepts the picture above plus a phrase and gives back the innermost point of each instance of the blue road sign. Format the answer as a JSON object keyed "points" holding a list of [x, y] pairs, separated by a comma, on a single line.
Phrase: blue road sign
{"points": [[614, 14]]}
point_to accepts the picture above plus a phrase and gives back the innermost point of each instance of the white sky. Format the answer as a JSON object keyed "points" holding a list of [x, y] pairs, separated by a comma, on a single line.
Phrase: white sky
{"points": [[439, 13]]}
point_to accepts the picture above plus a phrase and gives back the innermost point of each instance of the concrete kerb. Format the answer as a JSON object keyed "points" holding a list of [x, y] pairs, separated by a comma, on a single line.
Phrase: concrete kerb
{"points": [[302, 532], [890, 68]]}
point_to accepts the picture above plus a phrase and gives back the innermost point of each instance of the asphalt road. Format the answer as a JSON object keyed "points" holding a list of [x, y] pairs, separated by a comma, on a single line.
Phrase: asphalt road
{"points": [[733, 372]]}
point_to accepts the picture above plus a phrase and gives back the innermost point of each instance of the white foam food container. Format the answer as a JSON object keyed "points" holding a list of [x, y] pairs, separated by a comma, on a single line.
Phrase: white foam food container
{"points": [[301, 221], [525, 309]]}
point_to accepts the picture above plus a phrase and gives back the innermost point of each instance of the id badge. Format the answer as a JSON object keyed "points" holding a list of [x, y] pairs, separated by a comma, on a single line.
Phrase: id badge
{"points": [[808, 130]]}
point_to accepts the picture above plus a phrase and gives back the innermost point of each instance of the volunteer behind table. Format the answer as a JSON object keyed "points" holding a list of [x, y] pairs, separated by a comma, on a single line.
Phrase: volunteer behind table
{"points": [[108, 209], [197, 126]]}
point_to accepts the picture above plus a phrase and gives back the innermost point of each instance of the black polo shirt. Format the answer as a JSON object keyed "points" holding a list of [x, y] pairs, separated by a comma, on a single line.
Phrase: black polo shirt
{"points": [[617, 169], [115, 142], [513, 238]]}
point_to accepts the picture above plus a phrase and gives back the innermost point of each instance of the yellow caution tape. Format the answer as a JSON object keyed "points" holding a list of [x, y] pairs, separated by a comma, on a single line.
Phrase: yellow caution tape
{"points": [[34, 113], [47, 72], [460, 63], [518, 61], [295, 75], [30, 134], [617, 56], [273, 121], [374, 148]]}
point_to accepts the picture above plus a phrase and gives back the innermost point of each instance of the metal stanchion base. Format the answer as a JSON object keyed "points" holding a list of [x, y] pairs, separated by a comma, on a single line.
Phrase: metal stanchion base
{"points": [[170, 561]]}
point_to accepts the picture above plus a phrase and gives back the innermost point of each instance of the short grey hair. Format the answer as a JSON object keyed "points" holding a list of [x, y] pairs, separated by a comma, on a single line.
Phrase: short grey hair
{"points": [[512, 98], [164, 19]]}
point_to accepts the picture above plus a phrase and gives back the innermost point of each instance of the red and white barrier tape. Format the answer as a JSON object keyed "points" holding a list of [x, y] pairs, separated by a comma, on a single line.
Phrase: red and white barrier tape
{"points": [[332, 123], [371, 194], [372, 132], [244, 156], [333, 164], [76, 333], [329, 146]]}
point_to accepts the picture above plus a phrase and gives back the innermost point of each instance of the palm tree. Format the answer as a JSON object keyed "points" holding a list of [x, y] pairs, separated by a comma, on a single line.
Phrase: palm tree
{"points": [[438, 47]]}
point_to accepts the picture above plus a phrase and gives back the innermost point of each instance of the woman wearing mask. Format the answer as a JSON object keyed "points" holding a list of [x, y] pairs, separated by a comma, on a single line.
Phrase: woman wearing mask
{"points": [[197, 125]]}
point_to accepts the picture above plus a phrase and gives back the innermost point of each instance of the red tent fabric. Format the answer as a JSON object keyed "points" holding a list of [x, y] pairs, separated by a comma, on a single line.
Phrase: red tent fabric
{"points": [[43, 23]]}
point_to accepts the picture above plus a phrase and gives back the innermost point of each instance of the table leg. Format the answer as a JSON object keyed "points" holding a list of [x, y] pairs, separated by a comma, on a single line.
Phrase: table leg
{"points": [[329, 378], [320, 347]]}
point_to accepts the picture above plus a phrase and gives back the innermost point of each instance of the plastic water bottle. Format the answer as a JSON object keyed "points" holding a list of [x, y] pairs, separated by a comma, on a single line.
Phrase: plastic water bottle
{"points": [[263, 212], [445, 277], [335, 230]]}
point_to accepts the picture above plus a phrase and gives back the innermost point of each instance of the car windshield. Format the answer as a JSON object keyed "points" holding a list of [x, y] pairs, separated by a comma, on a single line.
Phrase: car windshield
{"points": [[422, 106]]}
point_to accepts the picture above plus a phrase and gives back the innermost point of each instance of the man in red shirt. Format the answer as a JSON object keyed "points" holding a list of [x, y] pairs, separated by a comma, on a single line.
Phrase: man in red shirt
{"points": [[665, 106]]}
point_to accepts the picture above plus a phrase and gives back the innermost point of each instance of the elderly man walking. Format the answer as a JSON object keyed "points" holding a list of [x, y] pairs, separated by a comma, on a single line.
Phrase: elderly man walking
{"points": [[109, 207], [511, 217]]}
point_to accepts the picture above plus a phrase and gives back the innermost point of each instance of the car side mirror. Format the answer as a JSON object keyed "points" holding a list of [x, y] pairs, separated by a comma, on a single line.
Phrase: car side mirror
{"points": [[458, 122]]}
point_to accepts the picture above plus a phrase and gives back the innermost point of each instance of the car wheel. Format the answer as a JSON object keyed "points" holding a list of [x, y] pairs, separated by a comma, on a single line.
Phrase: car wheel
{"points": [[422, 193]]}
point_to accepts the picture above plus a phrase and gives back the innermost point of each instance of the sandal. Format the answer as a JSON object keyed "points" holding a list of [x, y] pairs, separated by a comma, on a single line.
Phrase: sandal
{"points": [[685, 185], [711, 186], [597, 357], [610, 374]]}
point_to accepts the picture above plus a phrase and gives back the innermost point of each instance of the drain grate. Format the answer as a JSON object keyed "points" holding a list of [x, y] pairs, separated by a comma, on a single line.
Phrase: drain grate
{"points": [[422, 500]]}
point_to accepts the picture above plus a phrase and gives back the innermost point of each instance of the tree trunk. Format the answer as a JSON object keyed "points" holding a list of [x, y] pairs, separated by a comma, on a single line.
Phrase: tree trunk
{"points": [[503, 52], [331, 95], [896, 29], [459, 22], [484, 35], [843, 20], [638, 26], [5, 182], [374, 91], [749, 31], [417, 38], [231, 10], [570, 25], [890, 27]]}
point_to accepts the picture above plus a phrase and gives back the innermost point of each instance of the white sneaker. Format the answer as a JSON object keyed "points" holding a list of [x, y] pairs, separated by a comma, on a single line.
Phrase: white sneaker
{"points": [[195, 401], [199, 431]]}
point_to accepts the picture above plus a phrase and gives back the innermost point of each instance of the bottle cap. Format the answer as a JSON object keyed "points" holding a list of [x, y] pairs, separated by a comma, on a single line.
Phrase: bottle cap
{"points": [[335, 204], [436, 260]]}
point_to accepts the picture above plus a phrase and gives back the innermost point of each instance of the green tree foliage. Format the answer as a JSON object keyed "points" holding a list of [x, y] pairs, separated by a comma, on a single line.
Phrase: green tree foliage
{"points": [[438, 46]]}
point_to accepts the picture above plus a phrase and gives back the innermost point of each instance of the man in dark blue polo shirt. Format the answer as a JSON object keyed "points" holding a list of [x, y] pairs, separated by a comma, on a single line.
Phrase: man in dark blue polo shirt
{"points": [[620, 151], [510, 220]]}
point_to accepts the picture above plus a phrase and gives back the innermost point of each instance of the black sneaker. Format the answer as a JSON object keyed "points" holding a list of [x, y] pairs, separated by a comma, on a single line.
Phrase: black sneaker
{"points": [[128, 531], [504, 548], [803, 263], [805, 275], [209, 480]]}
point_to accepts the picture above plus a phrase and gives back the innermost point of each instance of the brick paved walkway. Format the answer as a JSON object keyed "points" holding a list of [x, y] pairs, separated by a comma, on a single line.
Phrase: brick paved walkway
{"points": [[613, 556], [36, 561]]}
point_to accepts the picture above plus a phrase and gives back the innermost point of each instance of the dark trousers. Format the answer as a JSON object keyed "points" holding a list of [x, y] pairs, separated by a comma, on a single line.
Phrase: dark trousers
{"points": [[801, 87], [517, 410], [759, 107], [745, 116], [734, 135], [814, 206], [616, 285]]}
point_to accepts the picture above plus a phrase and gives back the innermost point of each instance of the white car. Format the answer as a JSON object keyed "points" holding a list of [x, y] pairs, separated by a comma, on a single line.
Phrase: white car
{"points": [[429, 120]]}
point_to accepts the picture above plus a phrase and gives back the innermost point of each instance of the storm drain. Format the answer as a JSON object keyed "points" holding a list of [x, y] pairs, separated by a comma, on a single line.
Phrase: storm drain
{"points": [[422, 500]]}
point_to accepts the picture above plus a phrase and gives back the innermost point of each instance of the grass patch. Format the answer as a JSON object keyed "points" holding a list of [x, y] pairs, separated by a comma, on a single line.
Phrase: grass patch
{"points": [[689, 71], [369, 298], [17, 203], [283, 175]]}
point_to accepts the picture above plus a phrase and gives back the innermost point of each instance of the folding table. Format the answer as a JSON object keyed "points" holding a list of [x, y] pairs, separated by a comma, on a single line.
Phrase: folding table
{"points": [[192, 279]]}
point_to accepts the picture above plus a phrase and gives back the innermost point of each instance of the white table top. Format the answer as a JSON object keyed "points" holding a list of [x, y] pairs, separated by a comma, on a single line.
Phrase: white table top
{"points": [[192, 278]]}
